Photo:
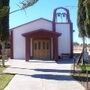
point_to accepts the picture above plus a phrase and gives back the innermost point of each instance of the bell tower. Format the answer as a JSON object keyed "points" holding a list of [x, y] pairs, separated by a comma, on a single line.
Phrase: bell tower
{"points": [[62, 24], [60, 15]]}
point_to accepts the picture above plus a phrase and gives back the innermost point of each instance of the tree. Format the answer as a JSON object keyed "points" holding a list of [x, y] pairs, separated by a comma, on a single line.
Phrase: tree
{"points": [[4, 21], [4, 25], [86, 4], [25, 4], [84, 19], [81, 18], [76, 44]]}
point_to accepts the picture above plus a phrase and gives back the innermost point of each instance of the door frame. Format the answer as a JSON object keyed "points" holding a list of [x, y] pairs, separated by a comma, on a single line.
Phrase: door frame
{"points": [[40, 39], [41, 33]]}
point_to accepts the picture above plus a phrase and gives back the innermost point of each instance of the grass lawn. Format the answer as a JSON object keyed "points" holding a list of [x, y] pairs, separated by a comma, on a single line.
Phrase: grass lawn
{"points": [[4, 78], [82, 75], [85, 67]]}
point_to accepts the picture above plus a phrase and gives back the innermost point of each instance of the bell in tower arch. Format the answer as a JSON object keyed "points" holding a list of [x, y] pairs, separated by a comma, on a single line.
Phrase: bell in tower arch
{"points": [[61, 15]]}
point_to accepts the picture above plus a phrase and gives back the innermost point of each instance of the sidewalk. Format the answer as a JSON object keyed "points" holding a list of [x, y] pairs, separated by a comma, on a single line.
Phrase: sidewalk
{"points": [[41, 75]]}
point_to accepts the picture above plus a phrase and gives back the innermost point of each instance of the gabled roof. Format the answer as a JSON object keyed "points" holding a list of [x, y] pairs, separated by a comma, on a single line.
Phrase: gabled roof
{"points": [[32, 22]]}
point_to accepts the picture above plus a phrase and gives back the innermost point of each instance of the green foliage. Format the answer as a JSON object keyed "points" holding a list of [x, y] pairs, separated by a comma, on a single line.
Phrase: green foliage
{"points": [[87, 21], [81, 18], [4, 26], [85, 67], [76, 43], [88, 30], [4, 20], [3, 12], [84, 18]]}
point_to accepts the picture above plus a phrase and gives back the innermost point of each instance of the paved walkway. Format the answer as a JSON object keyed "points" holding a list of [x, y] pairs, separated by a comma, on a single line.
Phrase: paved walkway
{"points": [[41, 75]]}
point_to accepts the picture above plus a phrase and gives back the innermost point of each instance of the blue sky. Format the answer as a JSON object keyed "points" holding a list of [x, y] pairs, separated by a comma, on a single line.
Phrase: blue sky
{"points": [[44, 9]]}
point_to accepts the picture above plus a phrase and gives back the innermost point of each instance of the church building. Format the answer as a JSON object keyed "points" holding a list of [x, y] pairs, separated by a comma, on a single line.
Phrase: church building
{"points": [[43, 39]]}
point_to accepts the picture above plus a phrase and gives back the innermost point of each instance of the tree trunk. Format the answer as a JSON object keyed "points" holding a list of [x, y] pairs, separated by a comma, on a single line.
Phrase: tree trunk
{"points": [[84, 46], [3, 53]]}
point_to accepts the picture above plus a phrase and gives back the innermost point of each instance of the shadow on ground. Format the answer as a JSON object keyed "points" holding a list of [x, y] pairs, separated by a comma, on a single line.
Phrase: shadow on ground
{"points": [[54, 70], [65, 61], [53, 77]]}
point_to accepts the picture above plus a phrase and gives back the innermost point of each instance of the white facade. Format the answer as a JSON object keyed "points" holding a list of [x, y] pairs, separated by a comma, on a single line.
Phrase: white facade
{"points": [[19, 40], [64, 39]]}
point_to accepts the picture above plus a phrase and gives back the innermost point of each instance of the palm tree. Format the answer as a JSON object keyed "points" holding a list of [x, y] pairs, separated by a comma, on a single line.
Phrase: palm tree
{"points": [[4, 21]]}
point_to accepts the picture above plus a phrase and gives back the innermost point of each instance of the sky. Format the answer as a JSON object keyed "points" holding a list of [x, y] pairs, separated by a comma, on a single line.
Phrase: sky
{"points": [[43, 9]]}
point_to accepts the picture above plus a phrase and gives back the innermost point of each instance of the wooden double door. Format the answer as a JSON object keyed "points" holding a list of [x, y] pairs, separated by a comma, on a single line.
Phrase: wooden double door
{"points": [[41, 49]]}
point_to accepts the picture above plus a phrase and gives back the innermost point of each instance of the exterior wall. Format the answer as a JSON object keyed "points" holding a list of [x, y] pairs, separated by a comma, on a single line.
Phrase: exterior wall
{"points": [[19, 40], [64, 39], [18, 45]]}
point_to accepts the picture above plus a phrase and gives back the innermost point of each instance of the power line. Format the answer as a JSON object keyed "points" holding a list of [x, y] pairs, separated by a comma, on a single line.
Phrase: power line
{"points": [[71, 6]]}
